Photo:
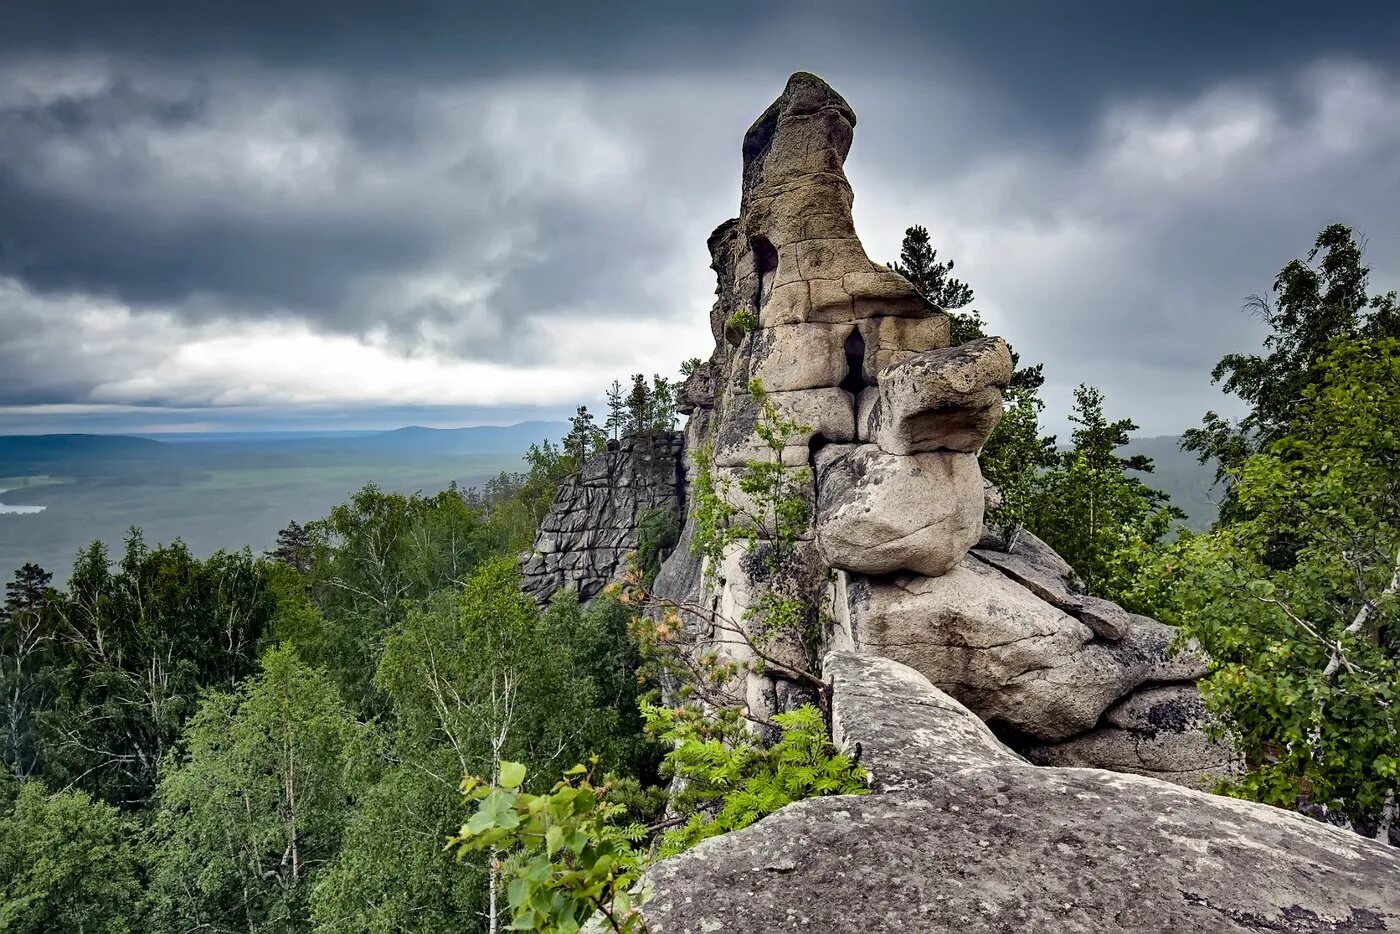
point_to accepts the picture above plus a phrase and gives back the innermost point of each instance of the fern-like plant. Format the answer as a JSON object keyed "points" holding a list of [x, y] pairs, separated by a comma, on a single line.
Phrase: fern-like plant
{"points": [[729, 780]]}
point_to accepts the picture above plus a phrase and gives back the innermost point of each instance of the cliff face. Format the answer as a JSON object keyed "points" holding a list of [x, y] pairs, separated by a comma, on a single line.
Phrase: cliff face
{"points": [[594, 522]]}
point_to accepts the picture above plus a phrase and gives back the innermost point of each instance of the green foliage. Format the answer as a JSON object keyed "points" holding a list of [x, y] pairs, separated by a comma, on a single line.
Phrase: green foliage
{"points": [[770, 501], [584, 439], [475, 679], [764, 512], [28, 682], [1317, 300], [1104, 522], [658, 531], [745, 321], [68, 864], [253, 807], [573, 853], [391, 874], [918, 262], [729, 780], [277, 807], [1014, 459], [565, 853], [135, 646], [1295, 598], [376, 557]]}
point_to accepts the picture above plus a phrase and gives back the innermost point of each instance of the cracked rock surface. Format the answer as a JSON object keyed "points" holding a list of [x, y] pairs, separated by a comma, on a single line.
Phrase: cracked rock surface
{"points": [[960, 835], [592, 525]]}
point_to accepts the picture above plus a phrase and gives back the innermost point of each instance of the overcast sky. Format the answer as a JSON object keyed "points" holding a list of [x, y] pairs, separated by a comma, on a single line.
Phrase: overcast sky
{"points": [[350, 214]]}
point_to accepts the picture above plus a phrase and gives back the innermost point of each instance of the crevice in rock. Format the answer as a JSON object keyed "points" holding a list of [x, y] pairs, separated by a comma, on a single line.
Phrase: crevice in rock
{"points": [[854, 380], [765, 267]]}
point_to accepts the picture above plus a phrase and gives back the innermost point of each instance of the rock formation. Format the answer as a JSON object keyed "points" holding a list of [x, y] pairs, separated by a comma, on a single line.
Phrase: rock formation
{"points": [[594, 522], [893, 419], [955, 661], [961, 834]]}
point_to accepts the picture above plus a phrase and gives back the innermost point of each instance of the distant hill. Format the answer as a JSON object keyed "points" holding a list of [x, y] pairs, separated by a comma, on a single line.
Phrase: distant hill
{"points": [[481, 439], [1178, 473], [17, 449]]}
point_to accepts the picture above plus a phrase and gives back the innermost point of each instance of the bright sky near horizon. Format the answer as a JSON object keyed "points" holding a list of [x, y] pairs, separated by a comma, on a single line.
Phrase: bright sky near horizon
{"points": [[352, 214]]}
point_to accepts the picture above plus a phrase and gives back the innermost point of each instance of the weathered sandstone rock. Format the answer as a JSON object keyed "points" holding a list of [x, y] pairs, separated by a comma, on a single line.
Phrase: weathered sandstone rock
{"points": [[889, 419], [1158, 731], [888, 341], [799, 356], [826, 412], [879, 513], [961, 836], [1001, 650], [943, 399]]}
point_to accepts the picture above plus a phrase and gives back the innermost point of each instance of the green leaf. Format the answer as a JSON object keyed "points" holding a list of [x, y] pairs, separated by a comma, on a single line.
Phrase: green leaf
{"points": [[512, 774]]}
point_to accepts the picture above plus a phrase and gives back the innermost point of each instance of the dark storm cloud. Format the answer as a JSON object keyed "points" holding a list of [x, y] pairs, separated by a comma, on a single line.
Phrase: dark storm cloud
{"points": [[478, 183]]}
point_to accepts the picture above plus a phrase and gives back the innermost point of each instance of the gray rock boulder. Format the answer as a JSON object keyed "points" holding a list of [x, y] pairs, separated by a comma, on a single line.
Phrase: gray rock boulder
{"points": [[1035, 566], [879, 513], [961, 836], [1156, 731], [1015, 659], [943, 400]]}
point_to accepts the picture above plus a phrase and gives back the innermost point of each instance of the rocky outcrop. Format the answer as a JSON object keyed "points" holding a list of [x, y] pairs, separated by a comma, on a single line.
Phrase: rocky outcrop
{"points": [[961, 834], [593, 523], [890, 422]]}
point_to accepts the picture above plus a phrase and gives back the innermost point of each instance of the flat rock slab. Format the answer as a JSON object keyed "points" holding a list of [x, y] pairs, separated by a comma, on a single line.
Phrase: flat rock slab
{"points": [[977, 840]]}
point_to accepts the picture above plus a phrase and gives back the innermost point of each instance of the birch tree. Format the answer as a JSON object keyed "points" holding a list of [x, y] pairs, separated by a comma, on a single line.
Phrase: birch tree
{"points": [[1296, 598]]}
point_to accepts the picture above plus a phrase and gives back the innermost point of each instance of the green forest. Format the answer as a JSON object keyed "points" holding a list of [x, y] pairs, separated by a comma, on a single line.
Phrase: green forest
{"points": [[370, 728]]}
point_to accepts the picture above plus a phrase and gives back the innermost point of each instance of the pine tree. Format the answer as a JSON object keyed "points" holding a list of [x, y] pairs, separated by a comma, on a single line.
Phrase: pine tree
{"points": [[584, 438], [638, 405], [27, 590], [1088, 508], [918, 262], [294, 548], [617, 414], [662, 405]]}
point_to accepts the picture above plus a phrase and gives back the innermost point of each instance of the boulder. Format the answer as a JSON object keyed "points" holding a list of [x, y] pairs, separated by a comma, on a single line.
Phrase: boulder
{"points": [[879, 513], [962, 836], [1156, 731], [943, 399], [1001, 650]]}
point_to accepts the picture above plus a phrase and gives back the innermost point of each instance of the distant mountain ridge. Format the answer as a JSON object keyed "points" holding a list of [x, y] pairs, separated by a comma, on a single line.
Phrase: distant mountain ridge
{"points": [[476, 439]]}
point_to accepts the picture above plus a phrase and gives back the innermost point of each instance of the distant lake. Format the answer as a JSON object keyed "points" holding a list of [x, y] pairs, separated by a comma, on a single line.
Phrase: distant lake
{"points": [[24, 481]]}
